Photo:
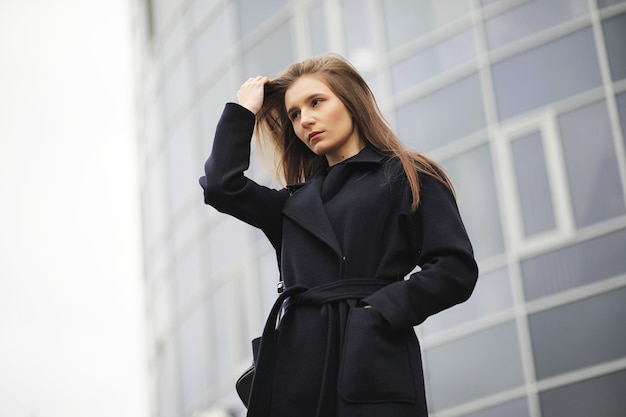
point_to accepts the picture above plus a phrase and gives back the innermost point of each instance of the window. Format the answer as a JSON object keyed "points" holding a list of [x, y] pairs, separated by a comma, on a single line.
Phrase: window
{"points": [[602, 396], [580, 334], [614, 35], [176, 88], [252, 13], [473, 177], [167, 398], [608, 3], [594, 177], [548, 73], [453, 368], [358, 23], [210, 109], [195, 352], [188, 275], [621, 107], [268, 280], [317, 30], [532, 184], [576, 265], [183, 166], [224, 325], [408, 20], [214, 44], [531, 17], [157, 210], [447, 54], [271, 55], [441, 117], [492, 294], [225, 242]]}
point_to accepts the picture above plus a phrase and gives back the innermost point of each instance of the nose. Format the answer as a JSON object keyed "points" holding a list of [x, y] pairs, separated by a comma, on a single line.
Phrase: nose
{"points": [[306, 119]]}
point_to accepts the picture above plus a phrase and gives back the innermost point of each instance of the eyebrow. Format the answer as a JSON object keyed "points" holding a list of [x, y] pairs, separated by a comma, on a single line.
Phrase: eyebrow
{"points": [[308, 98]]}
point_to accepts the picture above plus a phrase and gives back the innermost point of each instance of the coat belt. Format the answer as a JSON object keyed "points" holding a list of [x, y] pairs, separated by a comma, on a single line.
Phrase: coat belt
{"points": [[260, 397]]}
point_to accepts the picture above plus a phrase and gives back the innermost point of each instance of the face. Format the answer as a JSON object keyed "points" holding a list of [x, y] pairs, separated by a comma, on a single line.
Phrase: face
{"points": [[321, 120]]}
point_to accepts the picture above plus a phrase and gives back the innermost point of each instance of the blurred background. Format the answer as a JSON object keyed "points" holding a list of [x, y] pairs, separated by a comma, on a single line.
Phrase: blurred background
{"points": [[111, 256], [72, 320]]}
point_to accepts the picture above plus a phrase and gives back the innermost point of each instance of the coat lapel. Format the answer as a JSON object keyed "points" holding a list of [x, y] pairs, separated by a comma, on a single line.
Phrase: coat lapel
{"points": [[305, 207]]}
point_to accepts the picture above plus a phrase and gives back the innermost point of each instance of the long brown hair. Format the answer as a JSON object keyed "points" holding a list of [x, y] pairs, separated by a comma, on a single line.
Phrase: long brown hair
{"points": [[296, 162]]}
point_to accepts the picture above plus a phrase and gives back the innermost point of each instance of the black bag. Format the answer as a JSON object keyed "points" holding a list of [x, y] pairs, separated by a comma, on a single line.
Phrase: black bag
{"points": [[244, 382], [244, 385]]}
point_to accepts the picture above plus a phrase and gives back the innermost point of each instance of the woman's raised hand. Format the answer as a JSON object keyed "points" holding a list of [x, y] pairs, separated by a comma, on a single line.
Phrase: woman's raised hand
{"points": [[250, 94]]}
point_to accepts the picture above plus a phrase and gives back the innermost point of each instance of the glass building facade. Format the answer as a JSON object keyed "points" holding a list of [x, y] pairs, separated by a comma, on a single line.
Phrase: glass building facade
{"points": [[523, 102]]}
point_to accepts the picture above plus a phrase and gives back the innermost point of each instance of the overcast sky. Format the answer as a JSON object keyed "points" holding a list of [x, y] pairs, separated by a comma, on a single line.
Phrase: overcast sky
{"points": [[71, 313]]}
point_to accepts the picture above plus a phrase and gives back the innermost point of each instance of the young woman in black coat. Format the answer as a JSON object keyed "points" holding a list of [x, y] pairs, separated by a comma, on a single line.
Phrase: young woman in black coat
{"points": [[359, 214]]}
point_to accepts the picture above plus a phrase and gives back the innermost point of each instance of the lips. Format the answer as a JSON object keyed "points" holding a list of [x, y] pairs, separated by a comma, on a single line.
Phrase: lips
{"points": [[313, 136]]}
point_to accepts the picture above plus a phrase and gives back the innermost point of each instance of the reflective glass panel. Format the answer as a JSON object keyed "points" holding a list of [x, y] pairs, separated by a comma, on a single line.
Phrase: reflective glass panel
{"points": [[531, 17], [183, 164], [156, 198], [214, 43], [570, 267], [492, 294], [225, 242], [211, 108], [240, 312], [473, 367], [473, 177], [535, 196], [515, 408], [271, 55], [194, 360], [580, 334], [614, 36], [162, 12], [595, 185], [602, 396], [317, 29], [268, 279], [621, 108], [442, 116], [608, 3], [445, 55], [200, 9], [186, 226], [358, 17], [252, 13], [176, 88], [536, 77], [223, 337], [407, 20], [188, 275], [162, 311], [174, 41], [167, 389]]}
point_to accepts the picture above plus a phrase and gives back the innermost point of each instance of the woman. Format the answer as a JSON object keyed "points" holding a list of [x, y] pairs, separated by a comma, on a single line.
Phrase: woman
{"points": [[359, 214]]}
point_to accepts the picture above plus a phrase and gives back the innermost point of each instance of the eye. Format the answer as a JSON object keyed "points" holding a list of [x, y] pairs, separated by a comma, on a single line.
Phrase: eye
{"points": [[316, 101], [294, 115]]}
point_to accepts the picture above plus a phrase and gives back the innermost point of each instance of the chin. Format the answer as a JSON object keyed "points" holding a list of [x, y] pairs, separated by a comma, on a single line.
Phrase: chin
{"points": [[317, 151]]}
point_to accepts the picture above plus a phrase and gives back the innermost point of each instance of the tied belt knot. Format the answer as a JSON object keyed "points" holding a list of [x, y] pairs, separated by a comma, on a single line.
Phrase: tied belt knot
{"points": [[260, 397]]}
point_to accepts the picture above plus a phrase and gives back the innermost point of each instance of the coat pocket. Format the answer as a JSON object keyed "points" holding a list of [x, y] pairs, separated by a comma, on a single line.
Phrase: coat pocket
{"points": [[376, 363]]}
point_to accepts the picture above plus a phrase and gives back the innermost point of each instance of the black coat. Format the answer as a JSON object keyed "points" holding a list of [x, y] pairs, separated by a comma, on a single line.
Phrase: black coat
{"points": [[349, 233]]}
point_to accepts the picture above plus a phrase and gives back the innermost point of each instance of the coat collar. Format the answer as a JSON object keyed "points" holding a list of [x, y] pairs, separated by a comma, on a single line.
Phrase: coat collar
{"points": [[366, 156], [305, 205]]}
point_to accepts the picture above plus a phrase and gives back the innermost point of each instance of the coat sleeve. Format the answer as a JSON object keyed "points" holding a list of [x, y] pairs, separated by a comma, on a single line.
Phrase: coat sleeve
{"points": [[448, 270], [225, 186]]}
